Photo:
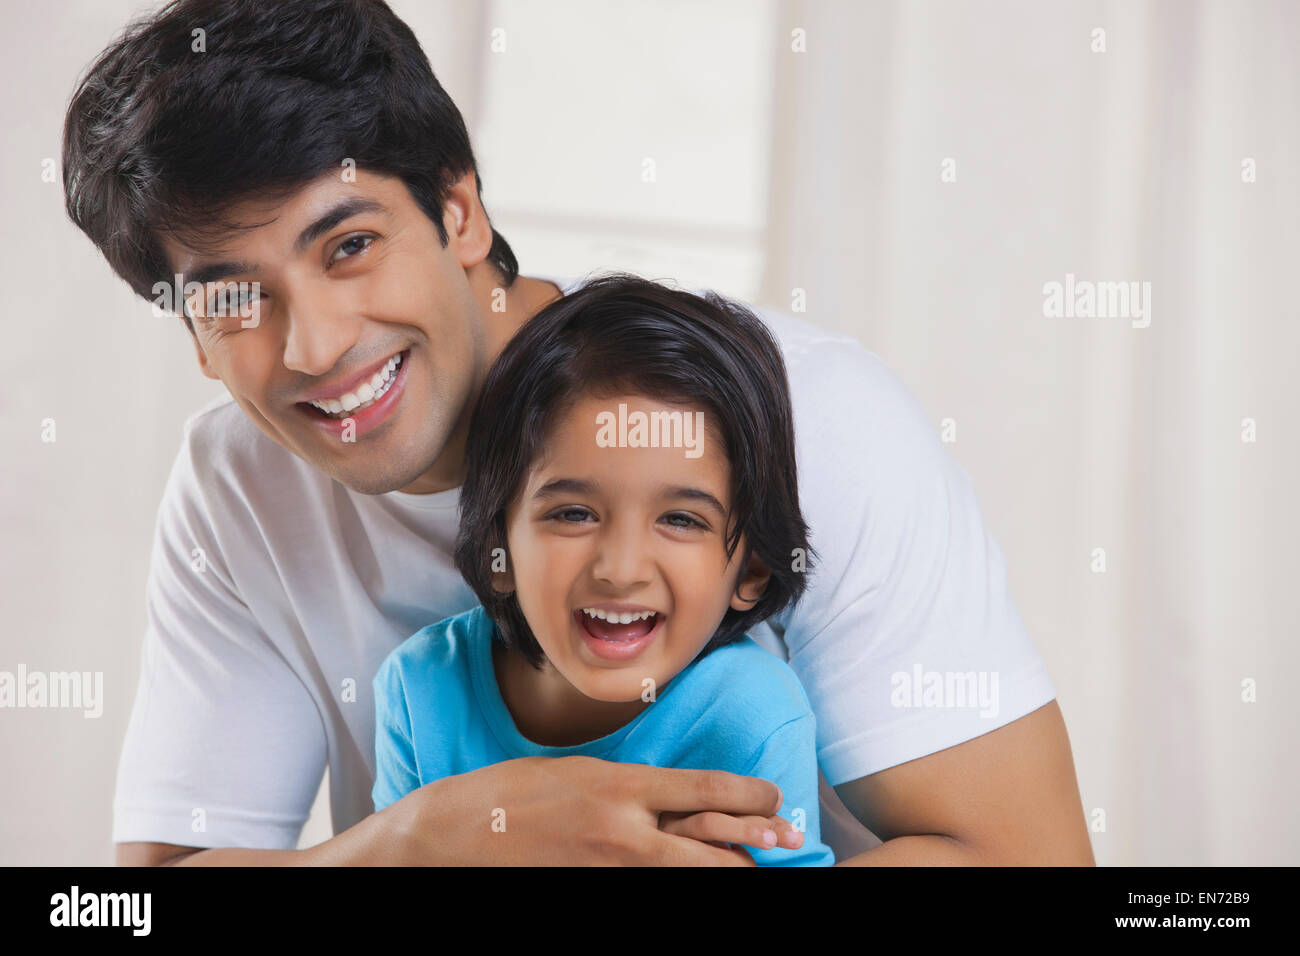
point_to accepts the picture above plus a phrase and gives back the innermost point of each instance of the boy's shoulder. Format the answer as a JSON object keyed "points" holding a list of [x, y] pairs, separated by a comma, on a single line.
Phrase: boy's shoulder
{"points": [[746, 688], [438, 651]]}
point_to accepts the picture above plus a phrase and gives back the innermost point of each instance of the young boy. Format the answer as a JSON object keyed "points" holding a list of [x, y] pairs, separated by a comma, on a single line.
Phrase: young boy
{"points": [[630, 508]]}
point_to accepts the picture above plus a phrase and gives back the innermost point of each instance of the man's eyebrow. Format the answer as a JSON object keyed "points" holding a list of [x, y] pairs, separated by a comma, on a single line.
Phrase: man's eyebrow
{"points": [[338, 213], [218, 270], [343, 210]]}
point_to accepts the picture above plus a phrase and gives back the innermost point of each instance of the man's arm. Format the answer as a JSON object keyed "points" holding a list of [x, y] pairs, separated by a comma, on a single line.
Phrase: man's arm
{"points": [[911, 584], [364, 844], [566, 810], [1009, 797]]}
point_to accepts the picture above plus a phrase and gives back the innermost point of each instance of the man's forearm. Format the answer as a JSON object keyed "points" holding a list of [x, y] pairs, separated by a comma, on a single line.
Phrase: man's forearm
{"points": [[236, 856], [374, 841], [932, 849], [925, 850], [1005, 798]]}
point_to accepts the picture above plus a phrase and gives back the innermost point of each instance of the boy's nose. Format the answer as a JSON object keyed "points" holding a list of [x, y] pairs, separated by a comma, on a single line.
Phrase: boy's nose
{"points": [[622, 559]]}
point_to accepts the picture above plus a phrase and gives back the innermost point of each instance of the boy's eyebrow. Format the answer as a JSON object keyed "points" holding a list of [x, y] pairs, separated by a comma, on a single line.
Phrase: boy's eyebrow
{"points": [[336, 214], [563, 486], [579, 486], [695, 494]]}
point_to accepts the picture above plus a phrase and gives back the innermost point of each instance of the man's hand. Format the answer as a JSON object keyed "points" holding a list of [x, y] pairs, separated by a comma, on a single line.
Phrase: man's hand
{"points": [[540, 811], [584, 811]]}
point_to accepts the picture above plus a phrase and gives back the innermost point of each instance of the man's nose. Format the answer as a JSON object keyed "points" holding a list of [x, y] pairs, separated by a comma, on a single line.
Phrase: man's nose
{"points": [[319, 330]]}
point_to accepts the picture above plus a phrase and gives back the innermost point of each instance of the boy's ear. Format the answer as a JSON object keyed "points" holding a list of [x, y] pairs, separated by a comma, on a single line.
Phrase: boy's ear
{"points": [[753, 582], [503, 578]]}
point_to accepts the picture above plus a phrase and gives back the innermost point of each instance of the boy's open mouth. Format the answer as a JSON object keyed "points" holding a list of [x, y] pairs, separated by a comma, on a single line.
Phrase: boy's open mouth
{"points": [[617, 627]]}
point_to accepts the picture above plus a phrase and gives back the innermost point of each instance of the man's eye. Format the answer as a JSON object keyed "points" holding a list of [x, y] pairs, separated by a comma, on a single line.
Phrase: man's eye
{"points": [[354, 246], [232, 302]]}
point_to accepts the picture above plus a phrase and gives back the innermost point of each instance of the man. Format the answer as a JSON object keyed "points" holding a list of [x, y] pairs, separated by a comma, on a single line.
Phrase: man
{"points": [[306, 154]]}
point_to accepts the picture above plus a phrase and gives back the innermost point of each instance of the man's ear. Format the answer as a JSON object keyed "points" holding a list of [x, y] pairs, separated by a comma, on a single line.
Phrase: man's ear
{"points": [[753, 582], [204, 367], [466, 223]]}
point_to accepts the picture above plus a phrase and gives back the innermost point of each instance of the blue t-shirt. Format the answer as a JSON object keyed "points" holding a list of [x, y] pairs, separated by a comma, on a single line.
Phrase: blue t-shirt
{"points": [[439, 712]]}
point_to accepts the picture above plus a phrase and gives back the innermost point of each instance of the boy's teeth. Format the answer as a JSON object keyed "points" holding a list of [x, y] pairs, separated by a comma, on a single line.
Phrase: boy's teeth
{"points": [[367, 394], [615, 617]]}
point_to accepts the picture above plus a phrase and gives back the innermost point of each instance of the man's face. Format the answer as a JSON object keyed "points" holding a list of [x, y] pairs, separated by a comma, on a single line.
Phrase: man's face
{"points": [[624, 530], [361, 310]]}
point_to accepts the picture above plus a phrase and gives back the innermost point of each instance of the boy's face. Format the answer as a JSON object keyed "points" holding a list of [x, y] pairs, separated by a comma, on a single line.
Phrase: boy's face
{"points": [[354, 284], [630, 530]]}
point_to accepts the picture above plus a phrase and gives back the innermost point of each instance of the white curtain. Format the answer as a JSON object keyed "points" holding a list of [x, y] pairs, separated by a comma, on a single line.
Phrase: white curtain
{"points": [[934, 166]]}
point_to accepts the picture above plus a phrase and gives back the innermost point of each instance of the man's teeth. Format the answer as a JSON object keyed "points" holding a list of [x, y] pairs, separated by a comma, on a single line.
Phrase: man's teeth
{"points": [[369, 393], [614, 617]]}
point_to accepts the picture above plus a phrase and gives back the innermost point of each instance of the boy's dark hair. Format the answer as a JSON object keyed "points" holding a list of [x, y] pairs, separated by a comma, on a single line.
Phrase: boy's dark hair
{"points": [[623, 335], [159, 137]]}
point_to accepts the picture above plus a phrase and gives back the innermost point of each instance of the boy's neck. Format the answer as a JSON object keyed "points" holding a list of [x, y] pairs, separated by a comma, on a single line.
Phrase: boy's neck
{"points": [[550, 711]]}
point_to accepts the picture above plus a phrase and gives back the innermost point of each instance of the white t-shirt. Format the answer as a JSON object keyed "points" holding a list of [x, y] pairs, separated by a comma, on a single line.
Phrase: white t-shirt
{"points": [[274, 593]]}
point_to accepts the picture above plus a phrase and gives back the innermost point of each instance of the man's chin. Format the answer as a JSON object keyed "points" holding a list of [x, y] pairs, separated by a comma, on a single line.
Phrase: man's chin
{"points": [[374, 484], [383, 462], [368, 472], [388, 476]]}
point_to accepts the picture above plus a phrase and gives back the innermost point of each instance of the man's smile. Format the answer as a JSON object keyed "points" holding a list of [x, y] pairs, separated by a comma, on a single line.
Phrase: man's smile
{"points": [[367, 399]]}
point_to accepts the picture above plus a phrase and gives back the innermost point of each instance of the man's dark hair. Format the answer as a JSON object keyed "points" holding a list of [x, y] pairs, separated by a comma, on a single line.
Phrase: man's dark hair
{"points": [[623, 335], [159, 137]]}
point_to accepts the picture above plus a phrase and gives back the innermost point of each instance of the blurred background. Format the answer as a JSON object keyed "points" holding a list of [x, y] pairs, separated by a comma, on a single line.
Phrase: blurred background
{"points": [[912, 173]]}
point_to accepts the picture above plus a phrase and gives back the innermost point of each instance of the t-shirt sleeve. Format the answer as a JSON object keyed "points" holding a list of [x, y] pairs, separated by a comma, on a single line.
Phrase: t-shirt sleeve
{"points": [[788, 758], [907, 641], [225, 746], [396, 773]]}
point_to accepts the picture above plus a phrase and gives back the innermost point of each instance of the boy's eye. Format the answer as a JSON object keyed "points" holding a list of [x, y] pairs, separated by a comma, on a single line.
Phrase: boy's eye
{"points": [[576, 515], [679, 520]]}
